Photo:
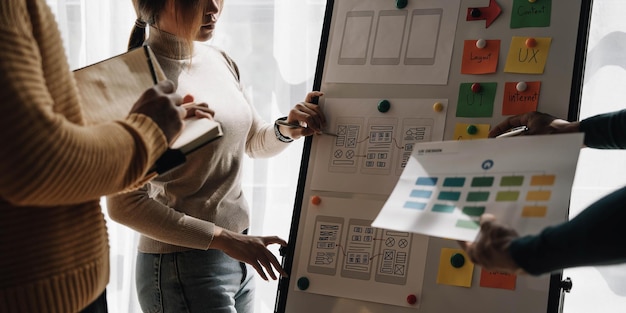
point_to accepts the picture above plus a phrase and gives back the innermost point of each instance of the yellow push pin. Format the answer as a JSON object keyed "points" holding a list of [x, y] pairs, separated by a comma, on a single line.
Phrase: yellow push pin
{"points": [[438, 107]]}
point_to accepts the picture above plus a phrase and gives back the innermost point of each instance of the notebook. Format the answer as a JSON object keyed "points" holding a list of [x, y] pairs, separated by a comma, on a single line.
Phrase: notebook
{"points": [[110, 88]]}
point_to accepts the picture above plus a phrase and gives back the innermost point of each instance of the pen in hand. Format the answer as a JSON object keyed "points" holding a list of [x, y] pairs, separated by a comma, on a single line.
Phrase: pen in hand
{"points": [[514, 132], [284, 123]]}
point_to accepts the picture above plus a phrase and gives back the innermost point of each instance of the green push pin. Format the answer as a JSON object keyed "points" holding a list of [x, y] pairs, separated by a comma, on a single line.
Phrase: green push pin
{"points": [[384, 106], [472, 129], [303, 283], [457, 260], [401, 4]]}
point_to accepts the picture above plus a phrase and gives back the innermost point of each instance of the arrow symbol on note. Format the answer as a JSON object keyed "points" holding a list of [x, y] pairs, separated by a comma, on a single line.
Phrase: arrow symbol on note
{"points": [[489, 14]]}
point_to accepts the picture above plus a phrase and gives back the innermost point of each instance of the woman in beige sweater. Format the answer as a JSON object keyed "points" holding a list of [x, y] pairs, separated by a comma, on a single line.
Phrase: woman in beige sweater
{"points": [[194, 253], [54, 169]]}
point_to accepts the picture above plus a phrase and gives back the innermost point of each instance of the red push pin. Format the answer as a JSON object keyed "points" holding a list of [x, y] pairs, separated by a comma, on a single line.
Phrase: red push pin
{"points": [[476, 88], [316, 200], [531, 42], [411, 299]]}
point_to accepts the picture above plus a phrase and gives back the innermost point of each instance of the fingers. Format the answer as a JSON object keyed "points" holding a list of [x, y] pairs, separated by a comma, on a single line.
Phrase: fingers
{"points": [[259, 270], [311, 96], [501, 128], [274, 240], [487, 217], [188, 98], [308, 114], [201, 110], [272, 259], [262, 259]]}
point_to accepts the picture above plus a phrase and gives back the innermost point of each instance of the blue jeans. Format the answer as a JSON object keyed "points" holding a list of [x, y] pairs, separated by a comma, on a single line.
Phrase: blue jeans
{"points": [[194, 281]]}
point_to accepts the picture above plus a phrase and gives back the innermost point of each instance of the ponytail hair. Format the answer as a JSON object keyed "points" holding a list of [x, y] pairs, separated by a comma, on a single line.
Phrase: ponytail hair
{"points": [[149, 10], [137, 35]]}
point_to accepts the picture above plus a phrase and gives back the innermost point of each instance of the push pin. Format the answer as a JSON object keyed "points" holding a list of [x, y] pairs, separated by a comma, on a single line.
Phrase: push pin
{"points": [[384, 106], [438, 107], [481, 43], [532, 1], [472, 129], [521, 86], [411, 299], [531, 42], [475, 13], [316, 200], [303, 283], [476, 88], [457, 260], [401, 4]]}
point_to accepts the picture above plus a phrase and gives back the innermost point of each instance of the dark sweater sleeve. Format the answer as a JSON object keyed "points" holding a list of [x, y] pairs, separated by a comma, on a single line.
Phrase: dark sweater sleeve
{"points": [[594, 237], [605, 131]]}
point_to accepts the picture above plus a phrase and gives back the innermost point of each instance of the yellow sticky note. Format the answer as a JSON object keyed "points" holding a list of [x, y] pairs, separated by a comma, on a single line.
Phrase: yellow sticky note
{"points": [[528, 58], [471, 131], [456, 276]]}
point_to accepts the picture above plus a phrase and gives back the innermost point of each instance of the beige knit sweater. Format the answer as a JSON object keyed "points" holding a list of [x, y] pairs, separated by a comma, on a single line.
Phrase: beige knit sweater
{"points": [[53, 170]]}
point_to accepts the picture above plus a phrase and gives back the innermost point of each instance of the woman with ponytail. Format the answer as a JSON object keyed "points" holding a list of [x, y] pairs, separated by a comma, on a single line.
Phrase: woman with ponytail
{"points": [[194, 252]]}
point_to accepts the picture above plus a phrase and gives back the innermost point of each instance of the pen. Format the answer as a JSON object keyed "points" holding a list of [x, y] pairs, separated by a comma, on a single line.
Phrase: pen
{"points": [[513, 132], [284, 123]]}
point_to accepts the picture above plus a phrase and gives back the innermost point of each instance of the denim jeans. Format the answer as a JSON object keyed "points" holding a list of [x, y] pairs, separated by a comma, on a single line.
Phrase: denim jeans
{"points": [[194, 281]]}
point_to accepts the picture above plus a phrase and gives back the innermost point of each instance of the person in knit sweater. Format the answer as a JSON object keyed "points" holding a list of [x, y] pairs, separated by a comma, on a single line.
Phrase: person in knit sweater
{"points": [[593, 237], [193, 247], [54, 169]]}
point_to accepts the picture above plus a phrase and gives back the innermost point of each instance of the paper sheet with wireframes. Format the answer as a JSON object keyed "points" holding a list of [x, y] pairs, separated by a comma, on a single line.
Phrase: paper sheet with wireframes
{"points": [[446, 186], [375, 42], [110, 88]]}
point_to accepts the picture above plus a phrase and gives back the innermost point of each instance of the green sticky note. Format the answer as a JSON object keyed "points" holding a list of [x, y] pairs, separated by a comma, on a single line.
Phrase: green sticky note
{"points": [[527, 14], [479, 104]]}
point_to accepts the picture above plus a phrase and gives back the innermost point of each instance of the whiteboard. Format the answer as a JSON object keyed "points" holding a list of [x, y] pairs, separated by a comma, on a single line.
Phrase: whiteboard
{"points": [[394, 77]]}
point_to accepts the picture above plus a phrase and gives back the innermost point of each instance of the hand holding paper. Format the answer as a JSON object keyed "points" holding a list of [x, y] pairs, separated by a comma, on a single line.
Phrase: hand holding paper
{"points": [[491, 247]]}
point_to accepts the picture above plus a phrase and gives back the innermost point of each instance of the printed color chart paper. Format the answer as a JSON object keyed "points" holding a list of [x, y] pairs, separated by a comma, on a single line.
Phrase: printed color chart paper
{"points": [[446, 186]]}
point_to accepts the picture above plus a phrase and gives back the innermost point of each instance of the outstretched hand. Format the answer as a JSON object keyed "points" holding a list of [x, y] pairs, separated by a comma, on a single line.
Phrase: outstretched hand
{"points": [[538, 124], [306, 114], [250, 249], [491, 248]]}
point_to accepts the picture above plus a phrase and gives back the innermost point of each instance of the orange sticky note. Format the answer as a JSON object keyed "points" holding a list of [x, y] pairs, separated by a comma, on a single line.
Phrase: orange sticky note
{"points": [[519, 102], [456, 276], [497, 280], [527, 59], [480, 60], [461, 131]]}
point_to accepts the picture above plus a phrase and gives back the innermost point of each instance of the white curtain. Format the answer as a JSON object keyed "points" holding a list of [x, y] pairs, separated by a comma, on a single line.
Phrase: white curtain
{"points": [[275, 43]]}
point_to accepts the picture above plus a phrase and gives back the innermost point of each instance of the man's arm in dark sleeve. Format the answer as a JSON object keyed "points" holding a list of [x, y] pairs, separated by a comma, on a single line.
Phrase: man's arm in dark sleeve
{"points": [[594, 237]]}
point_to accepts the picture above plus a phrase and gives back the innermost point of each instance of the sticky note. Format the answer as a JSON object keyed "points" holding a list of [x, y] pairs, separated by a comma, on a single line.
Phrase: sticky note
{"points": [[476, 104], [451, 275], [518, 102], [527, 60], [480, 60], [529, 14], [497, 280], [460, 131]]}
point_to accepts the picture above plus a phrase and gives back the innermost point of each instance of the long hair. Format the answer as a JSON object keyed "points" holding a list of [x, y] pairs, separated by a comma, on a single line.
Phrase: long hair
{"points": [[188, 19]]}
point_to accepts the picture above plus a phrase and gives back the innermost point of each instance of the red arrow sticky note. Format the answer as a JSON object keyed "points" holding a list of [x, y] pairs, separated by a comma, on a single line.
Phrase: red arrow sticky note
{"points": [[489, 14]]}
